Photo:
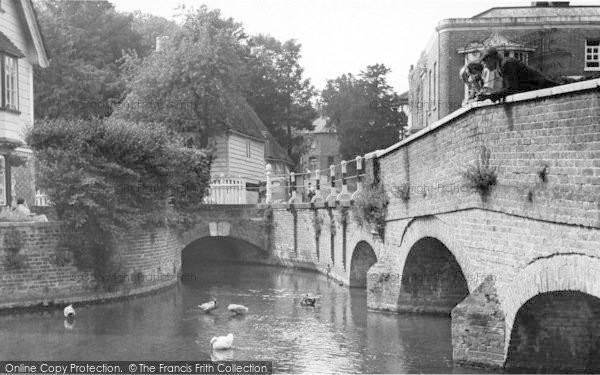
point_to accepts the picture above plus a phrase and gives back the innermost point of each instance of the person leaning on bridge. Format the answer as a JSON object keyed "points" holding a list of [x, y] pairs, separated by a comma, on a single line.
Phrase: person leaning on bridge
{"points": [[516, 76]]}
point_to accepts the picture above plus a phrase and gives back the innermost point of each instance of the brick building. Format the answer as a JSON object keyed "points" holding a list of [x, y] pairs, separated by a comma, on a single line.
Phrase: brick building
{"points": [[553, 37]]}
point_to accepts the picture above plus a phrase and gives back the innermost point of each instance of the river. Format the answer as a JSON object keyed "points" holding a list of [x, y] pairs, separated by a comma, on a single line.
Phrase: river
{"points": [[337, 335]]}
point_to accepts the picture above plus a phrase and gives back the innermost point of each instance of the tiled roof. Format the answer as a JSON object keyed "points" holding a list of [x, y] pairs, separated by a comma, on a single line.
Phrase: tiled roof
{"points": [[8, 47]]}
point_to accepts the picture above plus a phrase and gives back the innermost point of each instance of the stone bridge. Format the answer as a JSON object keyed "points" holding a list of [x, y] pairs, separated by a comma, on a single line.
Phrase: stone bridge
{"points": [[494, 218]]}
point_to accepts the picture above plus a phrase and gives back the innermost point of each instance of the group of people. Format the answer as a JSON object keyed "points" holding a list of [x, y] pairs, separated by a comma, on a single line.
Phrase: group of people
{"points": [[494, 77]]}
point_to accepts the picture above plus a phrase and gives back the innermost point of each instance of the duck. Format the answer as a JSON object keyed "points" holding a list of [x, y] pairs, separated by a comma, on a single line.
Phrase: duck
{"points": [[308, 300], [208, 306], [222, 342], [69, 312], [238, 309]]}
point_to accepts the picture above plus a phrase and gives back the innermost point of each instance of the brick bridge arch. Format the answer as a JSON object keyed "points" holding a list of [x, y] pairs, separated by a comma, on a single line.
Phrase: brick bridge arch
{"points": [[246, 223], [553, 306], [435, 275]]}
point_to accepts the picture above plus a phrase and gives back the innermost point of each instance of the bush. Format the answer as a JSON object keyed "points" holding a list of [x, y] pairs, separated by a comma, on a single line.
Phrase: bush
{"points": [[13, 243], [371, 206], [480, 176], [108, 177]]}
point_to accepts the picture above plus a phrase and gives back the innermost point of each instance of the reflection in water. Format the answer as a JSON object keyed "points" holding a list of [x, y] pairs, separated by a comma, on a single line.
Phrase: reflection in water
{"points": [[336, 335]]}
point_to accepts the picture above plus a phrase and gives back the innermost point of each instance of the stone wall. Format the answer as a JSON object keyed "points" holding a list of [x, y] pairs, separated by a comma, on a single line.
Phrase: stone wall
{"points": [[150, 260]]}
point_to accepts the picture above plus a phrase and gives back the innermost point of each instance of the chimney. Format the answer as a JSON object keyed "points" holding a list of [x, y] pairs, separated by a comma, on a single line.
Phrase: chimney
{"points": [[160, 42]]}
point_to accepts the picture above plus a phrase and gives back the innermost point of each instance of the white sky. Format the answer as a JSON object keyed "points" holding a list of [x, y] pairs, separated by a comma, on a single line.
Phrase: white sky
{"points": [[341, 36]]}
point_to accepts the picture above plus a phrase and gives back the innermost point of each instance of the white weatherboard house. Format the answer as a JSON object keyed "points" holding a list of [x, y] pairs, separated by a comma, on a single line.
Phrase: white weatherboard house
{"points": [[21, 46]]}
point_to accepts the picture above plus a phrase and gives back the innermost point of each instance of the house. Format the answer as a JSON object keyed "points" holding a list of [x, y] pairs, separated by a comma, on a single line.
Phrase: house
{"points": [[554, 37], [240, 157], [21, 46]]}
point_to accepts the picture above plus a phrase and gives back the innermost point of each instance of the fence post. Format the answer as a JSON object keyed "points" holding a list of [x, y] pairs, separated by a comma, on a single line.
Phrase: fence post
{"points": [[359, 168], [318, 197], [293, 188], [333, 193], [269, 194], [344, 195]]}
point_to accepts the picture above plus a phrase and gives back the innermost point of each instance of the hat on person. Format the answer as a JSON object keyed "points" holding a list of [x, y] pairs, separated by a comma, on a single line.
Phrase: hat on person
{"points": [[488, 52]]}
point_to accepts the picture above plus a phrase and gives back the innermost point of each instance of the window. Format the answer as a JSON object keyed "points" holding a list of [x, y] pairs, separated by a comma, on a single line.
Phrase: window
{"points": [[434, 84], [2, 181], [312, 162], [429, 92], [248, 154], [10, 97], [330, 160], [591, 55]]}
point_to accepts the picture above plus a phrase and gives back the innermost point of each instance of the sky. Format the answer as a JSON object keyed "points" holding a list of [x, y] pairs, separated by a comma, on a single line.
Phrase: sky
{"points": [[341, 36]]}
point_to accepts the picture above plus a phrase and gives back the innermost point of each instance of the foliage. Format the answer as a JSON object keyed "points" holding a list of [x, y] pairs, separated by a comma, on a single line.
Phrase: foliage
{"points": [[332, 226], [371, 206], [363, 111], [479, 175], [317, 222], [343, 215], [13, 243], [278, 93], [193, 84], [402, 191], [108, 176], [84, 41]]}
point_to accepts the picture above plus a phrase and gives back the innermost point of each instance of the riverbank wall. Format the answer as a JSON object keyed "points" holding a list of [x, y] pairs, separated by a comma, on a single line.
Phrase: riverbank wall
{"points": [[36, 272]]}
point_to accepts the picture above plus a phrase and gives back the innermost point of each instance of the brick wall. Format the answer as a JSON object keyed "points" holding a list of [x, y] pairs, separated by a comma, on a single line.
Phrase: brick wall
{"points": [[149, 260]]}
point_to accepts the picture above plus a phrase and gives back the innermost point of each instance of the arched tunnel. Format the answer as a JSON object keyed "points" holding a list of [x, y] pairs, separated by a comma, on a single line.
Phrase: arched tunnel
{"points": [[202, 252], [432, 280], [557, 331]]}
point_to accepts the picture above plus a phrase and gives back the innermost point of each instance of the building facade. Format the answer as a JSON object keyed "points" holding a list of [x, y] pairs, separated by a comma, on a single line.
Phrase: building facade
{"points": [[553, 37], [21, 47]]}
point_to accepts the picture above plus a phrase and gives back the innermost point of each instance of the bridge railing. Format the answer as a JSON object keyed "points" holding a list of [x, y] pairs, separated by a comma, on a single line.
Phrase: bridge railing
{"points": [[339, 182], [226, 190]]}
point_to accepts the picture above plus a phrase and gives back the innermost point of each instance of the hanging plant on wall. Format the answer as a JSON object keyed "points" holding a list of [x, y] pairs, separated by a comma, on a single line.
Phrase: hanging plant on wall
{"points": [[13, 243], [402, 191], [480, 175], [371, 207], [317, 223]]}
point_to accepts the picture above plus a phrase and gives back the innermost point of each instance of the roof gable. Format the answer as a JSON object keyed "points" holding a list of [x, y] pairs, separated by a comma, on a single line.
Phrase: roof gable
{"points": [[8, 47], [32, 26]]}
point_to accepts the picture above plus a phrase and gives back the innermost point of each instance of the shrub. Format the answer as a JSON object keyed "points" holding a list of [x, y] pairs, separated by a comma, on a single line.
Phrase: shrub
{"points": [[480, 176], [371, 206], [13, 243], [108, 177]]}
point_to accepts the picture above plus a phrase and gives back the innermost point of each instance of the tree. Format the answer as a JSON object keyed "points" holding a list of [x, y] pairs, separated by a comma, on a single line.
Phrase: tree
{"points": [[193, 85], [149, 27], [363, 111], [277, 91], [85, 41]]}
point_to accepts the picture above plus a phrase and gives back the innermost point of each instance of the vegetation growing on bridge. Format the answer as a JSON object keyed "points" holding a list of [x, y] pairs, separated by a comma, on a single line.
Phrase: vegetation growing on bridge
{"points": [[106, 177], [480, 175], [371, 206]]}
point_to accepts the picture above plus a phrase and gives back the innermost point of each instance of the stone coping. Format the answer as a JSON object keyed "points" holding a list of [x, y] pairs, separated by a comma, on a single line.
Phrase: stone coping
{"points": [[515, 98], [306, 205], [7, 224]]}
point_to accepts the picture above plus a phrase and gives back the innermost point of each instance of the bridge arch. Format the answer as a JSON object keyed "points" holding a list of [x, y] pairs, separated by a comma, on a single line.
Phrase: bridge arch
{"points": [[363, 257], [552, 313], [434, 271]]}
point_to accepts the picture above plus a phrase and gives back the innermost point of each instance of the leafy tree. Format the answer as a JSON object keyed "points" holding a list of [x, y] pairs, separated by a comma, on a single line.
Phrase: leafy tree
{"points": [[277, 91], [149, 27], [193, 85], [363, 111], [85, 41], [107, 176]]}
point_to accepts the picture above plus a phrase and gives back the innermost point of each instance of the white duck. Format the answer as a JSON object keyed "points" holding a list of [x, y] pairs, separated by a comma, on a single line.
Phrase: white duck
{"points": [[208, 306], [238, 309], [222, 342], [69, 312]]}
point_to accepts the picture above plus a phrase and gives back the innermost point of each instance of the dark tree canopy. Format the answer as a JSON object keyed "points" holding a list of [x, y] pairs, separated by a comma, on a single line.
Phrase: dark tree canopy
{"points": [[363, 111], [85, 41]]}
